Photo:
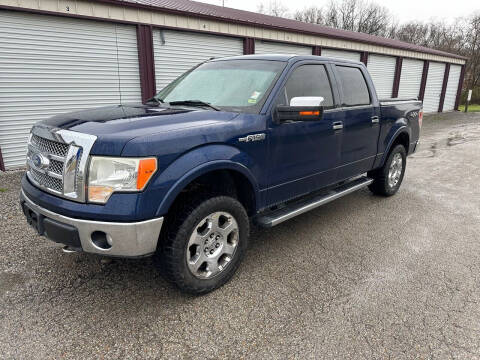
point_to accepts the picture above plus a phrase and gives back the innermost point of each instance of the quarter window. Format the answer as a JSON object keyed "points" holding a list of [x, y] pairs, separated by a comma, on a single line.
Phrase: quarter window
{"points": [[354, 86]]}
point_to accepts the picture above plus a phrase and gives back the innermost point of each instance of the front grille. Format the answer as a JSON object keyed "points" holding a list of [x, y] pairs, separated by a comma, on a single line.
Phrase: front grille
{"points": [[50, 178], [49, 147], [49, 182], [57, 160]]}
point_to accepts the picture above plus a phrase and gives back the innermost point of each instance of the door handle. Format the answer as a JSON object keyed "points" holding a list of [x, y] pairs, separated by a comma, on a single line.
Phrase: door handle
{"points": [[375, 119], [337, 125]]}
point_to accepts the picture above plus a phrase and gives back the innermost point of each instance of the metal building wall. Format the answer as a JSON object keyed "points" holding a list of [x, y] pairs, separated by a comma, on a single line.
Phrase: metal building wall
{"points": [[452, 87], [51, 65], [382, 71], [341, 54], [410, 78], [177, 52], [433, 89], [269, 47]]}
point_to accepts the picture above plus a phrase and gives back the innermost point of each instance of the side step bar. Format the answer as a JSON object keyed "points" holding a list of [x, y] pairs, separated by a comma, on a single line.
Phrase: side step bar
{"points": [[302, 206]]}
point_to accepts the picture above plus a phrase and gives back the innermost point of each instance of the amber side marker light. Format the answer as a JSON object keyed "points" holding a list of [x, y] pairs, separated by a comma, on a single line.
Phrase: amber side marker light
{"points": [[309, 113], [146, 169]]}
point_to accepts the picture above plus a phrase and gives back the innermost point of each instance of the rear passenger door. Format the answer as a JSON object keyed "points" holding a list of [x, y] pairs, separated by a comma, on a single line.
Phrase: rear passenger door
{"points": [[360, 120], [303, 155]]}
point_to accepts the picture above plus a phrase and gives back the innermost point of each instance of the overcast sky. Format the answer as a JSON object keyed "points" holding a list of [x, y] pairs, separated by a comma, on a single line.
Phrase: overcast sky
{"points": [[403, 10]]}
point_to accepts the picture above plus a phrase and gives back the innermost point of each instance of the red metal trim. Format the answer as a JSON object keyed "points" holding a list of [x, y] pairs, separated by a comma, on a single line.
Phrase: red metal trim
{"points": [[444, 87], [317, 50], [364, 57], [146, 61], [2, 164], [460, 87], [398, 74], [248, 46], [244, 22], [423, 83]]}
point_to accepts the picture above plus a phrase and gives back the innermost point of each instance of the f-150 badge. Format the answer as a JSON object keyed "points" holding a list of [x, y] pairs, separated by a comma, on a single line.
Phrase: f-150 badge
{"points": [[254, 137]]}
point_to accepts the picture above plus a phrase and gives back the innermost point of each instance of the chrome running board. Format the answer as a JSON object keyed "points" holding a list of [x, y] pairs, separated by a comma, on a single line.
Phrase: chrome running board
{"points": [[302, 206]]}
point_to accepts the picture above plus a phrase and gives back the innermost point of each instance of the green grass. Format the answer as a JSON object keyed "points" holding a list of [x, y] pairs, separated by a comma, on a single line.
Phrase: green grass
{"points": [[3, 190], [471, 108]]}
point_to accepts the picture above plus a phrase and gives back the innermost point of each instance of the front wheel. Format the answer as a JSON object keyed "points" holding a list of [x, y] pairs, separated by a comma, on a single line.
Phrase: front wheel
{"points": [[205, 244], [387, 179]]}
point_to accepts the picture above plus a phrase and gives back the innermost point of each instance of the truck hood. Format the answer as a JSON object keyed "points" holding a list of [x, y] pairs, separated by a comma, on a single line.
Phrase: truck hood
{"points": [[114, 126]]}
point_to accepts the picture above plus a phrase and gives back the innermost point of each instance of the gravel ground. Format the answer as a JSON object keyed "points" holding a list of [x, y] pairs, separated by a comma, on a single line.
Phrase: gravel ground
{"points": [[362, 277]]}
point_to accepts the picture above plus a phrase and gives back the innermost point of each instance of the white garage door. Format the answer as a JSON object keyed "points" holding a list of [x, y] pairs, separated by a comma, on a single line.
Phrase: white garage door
{"points": [[51, 65], [452, 88], [341, 54], [177, 52], [433, 89], [269, 47], [410, 78], [382, 70]]}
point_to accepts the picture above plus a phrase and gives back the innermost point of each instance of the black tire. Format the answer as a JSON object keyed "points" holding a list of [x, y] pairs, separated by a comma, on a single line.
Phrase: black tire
{"points": [[171, 257], [381, 185]]}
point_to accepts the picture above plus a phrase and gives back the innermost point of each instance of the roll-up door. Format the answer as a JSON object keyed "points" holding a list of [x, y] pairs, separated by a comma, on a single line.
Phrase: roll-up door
{"points": [[51, 65], [177, 52], [341, 54], [382, 71], [452, 88], [269, 47], [410, 78], [433, 88]]}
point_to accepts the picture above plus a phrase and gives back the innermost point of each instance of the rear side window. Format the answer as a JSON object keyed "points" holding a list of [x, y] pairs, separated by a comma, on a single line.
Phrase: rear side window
{"points": [[354, 86], [309, 80]]}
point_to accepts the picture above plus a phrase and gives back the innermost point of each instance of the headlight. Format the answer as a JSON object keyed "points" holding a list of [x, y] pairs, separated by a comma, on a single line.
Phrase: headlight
{"points": [[108, 175]]}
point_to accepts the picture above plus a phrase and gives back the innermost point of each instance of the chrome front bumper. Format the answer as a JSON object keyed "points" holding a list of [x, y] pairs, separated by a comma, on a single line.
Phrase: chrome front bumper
{"points": [[123, 239]]}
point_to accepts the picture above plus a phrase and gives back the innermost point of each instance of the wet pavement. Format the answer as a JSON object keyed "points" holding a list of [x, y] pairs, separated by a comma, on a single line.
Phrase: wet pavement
{"points": [[361, 278]]}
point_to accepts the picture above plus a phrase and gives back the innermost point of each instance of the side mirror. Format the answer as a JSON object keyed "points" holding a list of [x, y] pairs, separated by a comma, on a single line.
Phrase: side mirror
{"points": [[300, 109]]}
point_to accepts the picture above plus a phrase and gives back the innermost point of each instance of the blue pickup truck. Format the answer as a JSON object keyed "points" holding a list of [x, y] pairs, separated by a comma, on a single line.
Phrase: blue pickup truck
{"points": [[234, 141]]}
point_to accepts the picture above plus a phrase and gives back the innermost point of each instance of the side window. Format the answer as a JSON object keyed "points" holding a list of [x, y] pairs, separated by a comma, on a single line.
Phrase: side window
{"points": [[308, 80], [354, 86]]}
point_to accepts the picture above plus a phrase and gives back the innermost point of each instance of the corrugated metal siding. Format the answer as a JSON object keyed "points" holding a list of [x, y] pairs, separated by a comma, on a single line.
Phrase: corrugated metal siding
{"points": [[51, 65], [410, 78], [341, 54], [433, 88], [382, 70], [176, 52], [269, 47], [452, 87]]}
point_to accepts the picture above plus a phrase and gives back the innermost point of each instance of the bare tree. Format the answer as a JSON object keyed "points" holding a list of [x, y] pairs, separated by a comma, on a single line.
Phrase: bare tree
{"points": [[274, 8], [353, 15]]}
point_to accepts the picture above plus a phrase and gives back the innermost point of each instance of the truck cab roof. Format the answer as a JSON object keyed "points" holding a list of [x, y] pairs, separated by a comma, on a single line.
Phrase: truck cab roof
{"points": [[285, 58]]}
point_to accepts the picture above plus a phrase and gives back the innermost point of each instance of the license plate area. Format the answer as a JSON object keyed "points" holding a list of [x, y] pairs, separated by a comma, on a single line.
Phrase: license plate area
{"points": [[34, 219]]}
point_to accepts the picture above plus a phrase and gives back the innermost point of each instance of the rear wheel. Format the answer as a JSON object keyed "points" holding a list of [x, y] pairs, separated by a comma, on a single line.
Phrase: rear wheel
{"points": [[205, 244], [387, 179]]}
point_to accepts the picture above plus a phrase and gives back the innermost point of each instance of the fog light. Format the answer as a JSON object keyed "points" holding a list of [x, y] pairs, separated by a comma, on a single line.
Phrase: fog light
{"points": [[101, 240]]}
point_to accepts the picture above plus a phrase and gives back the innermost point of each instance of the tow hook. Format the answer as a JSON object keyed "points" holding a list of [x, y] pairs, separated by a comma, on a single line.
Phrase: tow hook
{"points": [[68, 250]]}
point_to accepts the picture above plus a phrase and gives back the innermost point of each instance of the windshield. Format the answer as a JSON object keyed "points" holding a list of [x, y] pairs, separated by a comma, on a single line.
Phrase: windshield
{"points": [[232, 85]]}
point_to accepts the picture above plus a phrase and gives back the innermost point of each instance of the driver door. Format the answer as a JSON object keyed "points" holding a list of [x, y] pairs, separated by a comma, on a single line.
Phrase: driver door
{"points": [[304, 155]]}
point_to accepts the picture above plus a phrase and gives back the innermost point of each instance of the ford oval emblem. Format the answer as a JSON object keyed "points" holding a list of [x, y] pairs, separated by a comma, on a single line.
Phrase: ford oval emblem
{"points": [[40, 161]]}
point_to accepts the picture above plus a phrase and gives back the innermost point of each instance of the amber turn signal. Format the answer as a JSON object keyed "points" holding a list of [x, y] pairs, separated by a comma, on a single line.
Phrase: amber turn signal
{"points": [[146, 169], [309, 113]]}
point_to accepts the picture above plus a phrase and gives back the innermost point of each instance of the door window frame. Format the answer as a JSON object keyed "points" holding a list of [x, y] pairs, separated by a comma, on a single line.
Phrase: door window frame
{"points": [[331, 78]]}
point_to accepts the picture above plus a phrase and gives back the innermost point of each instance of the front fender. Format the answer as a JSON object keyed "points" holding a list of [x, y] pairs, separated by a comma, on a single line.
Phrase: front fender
{"points": [[199, 162]]}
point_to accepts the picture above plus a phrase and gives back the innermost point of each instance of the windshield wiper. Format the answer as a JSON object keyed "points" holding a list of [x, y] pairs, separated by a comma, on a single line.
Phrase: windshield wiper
{"points": [[155, 100], [194, 103]]}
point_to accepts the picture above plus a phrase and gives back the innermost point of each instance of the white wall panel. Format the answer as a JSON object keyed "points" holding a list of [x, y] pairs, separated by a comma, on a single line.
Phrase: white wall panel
{"points": [[341, 54], [433, 88], [452, 88], [410, 78], [382, 71], [52, 65], [177, 52], [269, 47]]}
